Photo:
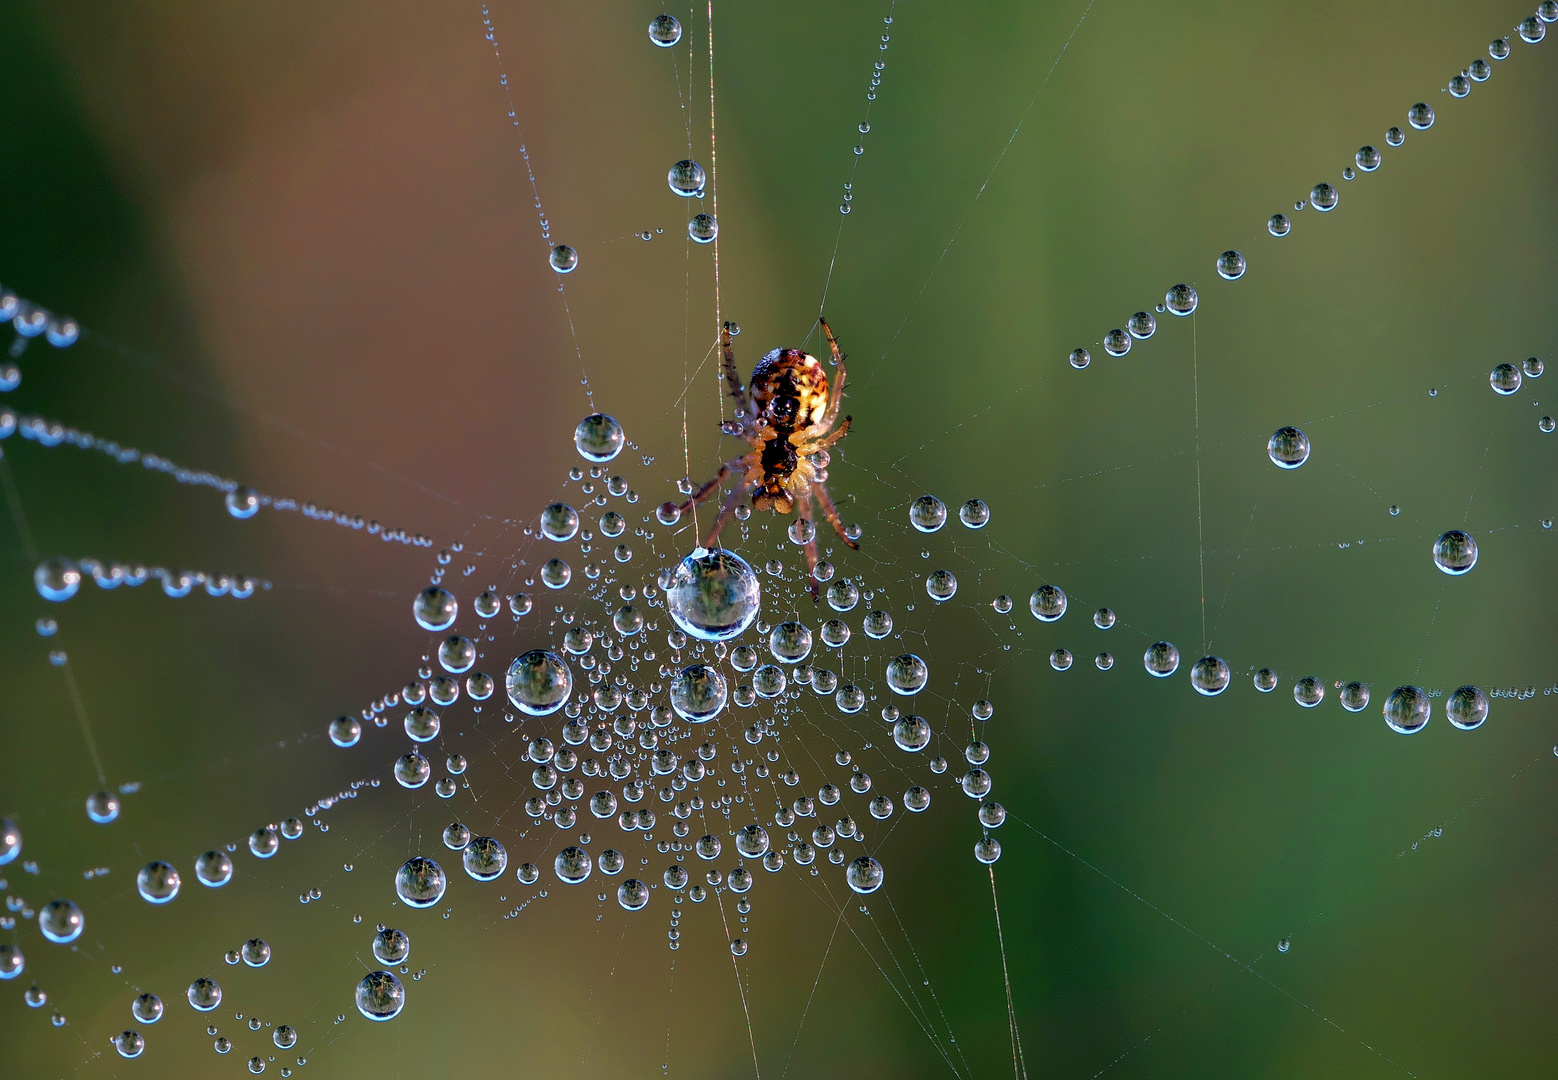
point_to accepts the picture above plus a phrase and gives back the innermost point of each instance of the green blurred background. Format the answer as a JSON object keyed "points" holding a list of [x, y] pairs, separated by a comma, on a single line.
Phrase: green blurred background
{"points": [[304, 239]]}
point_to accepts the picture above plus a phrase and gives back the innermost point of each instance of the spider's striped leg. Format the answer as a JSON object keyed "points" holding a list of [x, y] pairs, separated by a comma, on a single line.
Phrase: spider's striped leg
{"points": [[831, 512], [725, 511], [828, 440], [838, 383], [719, 478], [803, 511], [732, 377]]}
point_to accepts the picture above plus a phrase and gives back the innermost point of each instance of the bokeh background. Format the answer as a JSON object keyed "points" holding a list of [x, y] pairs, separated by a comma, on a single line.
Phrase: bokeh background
{"points": [[302, 239]]}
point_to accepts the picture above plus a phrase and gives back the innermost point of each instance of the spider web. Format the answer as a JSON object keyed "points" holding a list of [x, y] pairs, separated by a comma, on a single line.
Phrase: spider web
{"points": [[973, 652]]}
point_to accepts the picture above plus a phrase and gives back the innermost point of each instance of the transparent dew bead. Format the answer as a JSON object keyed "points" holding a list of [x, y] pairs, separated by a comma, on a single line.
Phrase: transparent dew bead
{"points": [[1161, 659], [1048, 603], [633, 895], [1080, 358], [1061, 659], [1467, 708], [686, 178], [147, 1008], [563, 259], [1505, 379], [485, 858], [941, 585], [877, 624], [129, 1044], [456, 837], [1308, 691], [1324, 197], [1421, 116], [665, 31], [1533, 367], [57, 579], [790, 642], [974, 514], [703, 228], [255, 952], [1395, 137], [1230, 266], [927, 513], [1142, 325], [1181, 300], [1407, 709], [992, 815], [214, 869], [559, 522], [1368, 158], [698, 693], [987, 850], [102, 807], [713, 595], [539, 682], [380, 996], [1532, 30], [1459, 86], [411, 771], [865, 875], [1355, 697], [1455, 552], [1003, 604], [842, 595], [1288, 448], [1210, 676], [420, 882], [435, 609], [1117, 342], [204, 995], [1498, 49], [911, 733], [1103, 661], [982, 710], [1546, 425], [1348, 173], [1103, 618], [157, 882], [907, 674], [599, 438], [243, 502]]}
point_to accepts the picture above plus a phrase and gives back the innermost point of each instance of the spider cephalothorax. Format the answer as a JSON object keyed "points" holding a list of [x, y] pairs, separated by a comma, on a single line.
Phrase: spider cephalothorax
{"points": [[787, 416]]}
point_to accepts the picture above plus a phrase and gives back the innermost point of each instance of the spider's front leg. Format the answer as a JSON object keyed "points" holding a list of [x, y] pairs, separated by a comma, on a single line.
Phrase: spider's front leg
{"points": [[732, 377], [837, 397]]}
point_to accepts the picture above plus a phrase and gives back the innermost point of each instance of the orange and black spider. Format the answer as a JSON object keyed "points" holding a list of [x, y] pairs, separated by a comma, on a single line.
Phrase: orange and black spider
{"points": [[787, 417]]}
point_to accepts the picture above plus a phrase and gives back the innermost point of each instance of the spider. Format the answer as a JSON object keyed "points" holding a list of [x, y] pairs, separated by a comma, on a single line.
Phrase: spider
{"points": [[787, 417]]}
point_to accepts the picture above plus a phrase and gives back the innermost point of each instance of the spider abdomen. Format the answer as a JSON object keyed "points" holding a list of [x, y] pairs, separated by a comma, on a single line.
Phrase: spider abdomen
{"points": [[789, 390]]}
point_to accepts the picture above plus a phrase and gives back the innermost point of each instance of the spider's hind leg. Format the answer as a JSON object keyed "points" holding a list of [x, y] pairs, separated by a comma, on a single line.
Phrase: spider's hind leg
{"points": [[803, 512], [726, 510], [831, 512]]}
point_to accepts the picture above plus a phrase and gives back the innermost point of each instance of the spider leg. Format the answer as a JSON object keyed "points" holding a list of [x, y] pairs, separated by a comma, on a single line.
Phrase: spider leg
{"points": [[828, 440], [838, 383], [732, 377], [726, 509], [831, 512], [719, 478], [803, 511]]}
